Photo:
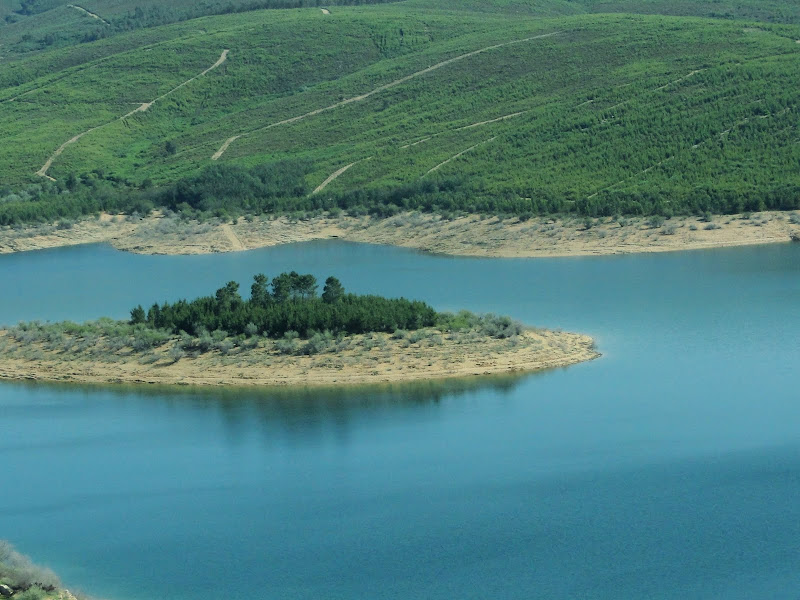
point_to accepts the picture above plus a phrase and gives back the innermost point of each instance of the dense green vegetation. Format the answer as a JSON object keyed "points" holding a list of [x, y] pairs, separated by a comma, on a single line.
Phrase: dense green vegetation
{"points": [[608, 114], [34, 25], [278, 313], [288, 303], [770, 11]]}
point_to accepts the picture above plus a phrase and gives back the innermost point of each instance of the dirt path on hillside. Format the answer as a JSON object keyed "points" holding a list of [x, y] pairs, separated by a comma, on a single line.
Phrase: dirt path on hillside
{"points": [[236, 243], [478, 124], [43, 171], [222, 58], [224, 147], [86, 12], [417, 143], [685, 77], [503, 118], [142, 108], [658, 89], [452, 158], [379, 89], [333, 177]]}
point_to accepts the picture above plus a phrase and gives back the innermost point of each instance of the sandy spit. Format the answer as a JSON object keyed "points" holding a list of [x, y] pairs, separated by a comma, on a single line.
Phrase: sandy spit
{"points": [[464, 236], [388, 360]]}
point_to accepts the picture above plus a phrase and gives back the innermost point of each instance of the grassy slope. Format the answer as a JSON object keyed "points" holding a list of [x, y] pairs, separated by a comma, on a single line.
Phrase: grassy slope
{"points": [[606, 103], [771, 11], [49, 24]]}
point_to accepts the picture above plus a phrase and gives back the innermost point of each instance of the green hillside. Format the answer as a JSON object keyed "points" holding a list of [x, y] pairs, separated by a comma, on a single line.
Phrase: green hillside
{"points": [[770, 11], [500, 106]]}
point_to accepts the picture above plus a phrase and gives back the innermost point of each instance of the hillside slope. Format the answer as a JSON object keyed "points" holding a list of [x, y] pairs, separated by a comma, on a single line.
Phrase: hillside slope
{"points": [[515, 111]]}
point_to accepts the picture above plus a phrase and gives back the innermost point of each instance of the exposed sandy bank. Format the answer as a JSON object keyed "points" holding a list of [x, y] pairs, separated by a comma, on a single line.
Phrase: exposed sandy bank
{"points": [[359, 360], [466, 236]]}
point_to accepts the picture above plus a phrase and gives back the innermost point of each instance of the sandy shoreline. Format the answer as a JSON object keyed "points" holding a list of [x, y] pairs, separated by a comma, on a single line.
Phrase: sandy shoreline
{"points": [[367, 359], [464, 236]]}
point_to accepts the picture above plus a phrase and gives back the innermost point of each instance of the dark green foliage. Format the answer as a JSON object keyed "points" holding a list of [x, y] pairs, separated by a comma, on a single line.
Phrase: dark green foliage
{"points": [[255, 190], [333, 291], [73, 198], [138, 316], [291, 306]]}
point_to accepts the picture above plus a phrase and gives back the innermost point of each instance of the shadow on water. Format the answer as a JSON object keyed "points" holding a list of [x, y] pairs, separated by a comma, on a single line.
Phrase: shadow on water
{"points": [[287, 401], [278, 416]]}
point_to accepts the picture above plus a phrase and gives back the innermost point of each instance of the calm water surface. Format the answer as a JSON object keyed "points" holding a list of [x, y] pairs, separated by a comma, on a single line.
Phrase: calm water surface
{"points": [[670, 468]]}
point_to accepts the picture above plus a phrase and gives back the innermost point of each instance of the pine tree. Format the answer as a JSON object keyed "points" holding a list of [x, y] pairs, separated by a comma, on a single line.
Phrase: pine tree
{"points": [[333, 290]]}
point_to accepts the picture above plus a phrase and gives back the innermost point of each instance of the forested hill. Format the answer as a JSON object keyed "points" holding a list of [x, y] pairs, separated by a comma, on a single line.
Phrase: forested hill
{"points": [[594, 107]]}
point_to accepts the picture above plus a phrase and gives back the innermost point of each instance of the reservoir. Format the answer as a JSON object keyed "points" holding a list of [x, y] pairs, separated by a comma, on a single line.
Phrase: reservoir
{"points": [[669, 468]]}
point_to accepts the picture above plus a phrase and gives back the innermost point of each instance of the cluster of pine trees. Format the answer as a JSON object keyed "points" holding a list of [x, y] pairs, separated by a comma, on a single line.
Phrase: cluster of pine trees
{"points": [[287, 303]]}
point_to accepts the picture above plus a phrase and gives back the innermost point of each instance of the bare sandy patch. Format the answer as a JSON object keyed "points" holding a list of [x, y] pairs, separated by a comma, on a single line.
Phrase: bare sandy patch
{"points": [[361, 359], [88, 13], [464, 236]]}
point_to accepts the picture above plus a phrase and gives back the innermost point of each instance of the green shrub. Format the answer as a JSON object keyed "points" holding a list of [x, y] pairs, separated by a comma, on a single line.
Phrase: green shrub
{"points": [[32, 593]]}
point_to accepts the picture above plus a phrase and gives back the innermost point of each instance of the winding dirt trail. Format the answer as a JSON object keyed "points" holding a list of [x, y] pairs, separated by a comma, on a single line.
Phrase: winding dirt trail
{"points": [[89, 13], [43, 171], [417, 143], [141, 108], [222, 58], [333, 177], [471, 126], [503, 118], [455, 156], [218, 154], [658, 89], [236, 243], [224, 147], [687, 76]]}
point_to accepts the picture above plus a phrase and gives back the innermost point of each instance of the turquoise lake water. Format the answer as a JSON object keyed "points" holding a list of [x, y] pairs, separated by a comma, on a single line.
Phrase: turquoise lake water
{"points": [[669, 468]]}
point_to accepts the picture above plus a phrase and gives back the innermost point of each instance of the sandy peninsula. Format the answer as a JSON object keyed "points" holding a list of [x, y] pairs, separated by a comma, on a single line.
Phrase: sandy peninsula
{"points": [[470, 235], [359, 359]]}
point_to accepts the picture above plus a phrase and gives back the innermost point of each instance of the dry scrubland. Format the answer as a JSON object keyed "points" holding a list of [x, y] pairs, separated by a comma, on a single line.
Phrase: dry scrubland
{"points": [[42, 353], [467, 236]]}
